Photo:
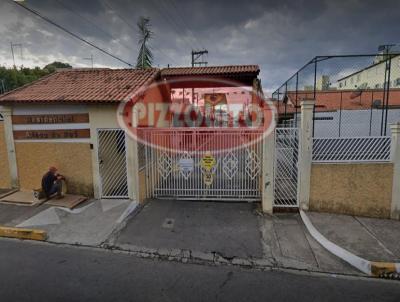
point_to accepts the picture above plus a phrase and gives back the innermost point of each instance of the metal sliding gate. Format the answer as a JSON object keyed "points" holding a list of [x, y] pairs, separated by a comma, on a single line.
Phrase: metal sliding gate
{"points": [[286, 167], [112, 163], [192, 165]]}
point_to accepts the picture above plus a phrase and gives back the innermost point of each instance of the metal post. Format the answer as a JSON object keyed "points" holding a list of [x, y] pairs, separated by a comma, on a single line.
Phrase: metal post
{"points": [[315, 95], [384, 95], [387, 93], [370, 116], [278, 104], [340, 112], [285, 98], [297, 87]]}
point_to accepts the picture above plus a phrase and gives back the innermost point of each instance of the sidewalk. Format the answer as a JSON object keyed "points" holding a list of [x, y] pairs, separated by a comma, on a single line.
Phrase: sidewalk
{"points": [[91, 223], [212, 232], [370, 238], [234, 233]]}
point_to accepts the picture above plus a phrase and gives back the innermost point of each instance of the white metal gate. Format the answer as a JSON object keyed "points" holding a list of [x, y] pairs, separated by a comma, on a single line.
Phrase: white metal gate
{"points": [[112, 163], [177, 170], [286, 167]]}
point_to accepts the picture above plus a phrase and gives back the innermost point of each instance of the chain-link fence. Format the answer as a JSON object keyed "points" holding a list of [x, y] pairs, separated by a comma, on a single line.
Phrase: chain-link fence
{"points": [[355, 95]]}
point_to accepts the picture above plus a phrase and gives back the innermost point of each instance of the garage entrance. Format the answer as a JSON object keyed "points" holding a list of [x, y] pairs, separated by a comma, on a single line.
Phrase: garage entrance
{"points": [[203, 163]]}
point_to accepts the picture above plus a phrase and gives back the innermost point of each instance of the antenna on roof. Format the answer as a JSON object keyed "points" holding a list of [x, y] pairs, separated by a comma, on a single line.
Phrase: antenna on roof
{"points": [[90, 59], [197, 54], [12, 51]]}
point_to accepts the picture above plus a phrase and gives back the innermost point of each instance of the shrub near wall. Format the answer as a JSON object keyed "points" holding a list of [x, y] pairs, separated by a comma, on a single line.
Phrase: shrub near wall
{"points": [[363, 189]]}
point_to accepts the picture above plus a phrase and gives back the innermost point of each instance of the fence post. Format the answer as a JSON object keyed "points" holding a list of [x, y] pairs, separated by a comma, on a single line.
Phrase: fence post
{"points": [[305, 153], [6, 112], [267, 180], [132, 159], [395, 159]]}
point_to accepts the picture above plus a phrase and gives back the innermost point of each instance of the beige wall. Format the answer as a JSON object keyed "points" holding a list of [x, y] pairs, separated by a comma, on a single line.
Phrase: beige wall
{"points": [[356, 189], [72, 159], [142, 186], [5, 179]]}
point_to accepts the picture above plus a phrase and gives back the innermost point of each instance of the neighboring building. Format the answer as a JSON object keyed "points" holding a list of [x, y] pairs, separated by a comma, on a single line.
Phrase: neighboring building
{"points": [[344, 112], [323, 83], [373, 76]]}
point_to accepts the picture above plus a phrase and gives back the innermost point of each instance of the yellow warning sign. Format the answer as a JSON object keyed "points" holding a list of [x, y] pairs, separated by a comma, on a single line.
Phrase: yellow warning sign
{"points": [[208, 162]]}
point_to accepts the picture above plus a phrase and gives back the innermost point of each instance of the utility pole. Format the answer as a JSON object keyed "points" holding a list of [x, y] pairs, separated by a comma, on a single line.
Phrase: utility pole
{"points": [[197, 54], [12, 51], [386, 84], [90, 59]]}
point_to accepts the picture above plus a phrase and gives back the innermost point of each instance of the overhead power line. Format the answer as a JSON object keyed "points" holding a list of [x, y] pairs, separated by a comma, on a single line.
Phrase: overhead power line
{"points": [[92, 23], [185, 24], [165, 14], [105, 2], [71, 33]]}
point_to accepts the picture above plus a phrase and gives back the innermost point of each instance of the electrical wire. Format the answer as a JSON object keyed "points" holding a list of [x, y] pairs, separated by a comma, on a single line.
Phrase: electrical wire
{"points": [[93, 24], [71, 33], [105, 2], [185, 24]]}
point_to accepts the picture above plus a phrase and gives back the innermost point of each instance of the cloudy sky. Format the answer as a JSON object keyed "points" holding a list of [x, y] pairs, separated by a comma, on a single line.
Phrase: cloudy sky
{"points": [[280, 36]]}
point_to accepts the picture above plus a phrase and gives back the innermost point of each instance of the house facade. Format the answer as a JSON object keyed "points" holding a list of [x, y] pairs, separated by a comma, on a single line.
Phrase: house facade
{"points": [[71, 120]]}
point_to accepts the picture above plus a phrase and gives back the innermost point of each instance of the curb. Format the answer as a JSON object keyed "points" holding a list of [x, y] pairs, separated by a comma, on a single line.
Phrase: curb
{"points": [[371, 268], [19, 233]]}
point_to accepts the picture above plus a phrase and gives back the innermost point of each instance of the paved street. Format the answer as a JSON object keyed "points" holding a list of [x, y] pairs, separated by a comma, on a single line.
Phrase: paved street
{"points": [[41, 272]]}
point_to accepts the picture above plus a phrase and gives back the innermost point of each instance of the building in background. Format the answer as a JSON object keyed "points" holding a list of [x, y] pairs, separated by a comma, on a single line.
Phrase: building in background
{"points": [[372, 77]]}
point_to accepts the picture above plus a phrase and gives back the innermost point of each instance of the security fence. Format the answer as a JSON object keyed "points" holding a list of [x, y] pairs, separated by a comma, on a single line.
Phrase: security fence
{"points": [[349, 149], [355, 95]]}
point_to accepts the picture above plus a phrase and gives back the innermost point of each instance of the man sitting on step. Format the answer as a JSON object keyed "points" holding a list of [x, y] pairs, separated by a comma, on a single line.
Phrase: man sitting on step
{"points": [[52, 183]]}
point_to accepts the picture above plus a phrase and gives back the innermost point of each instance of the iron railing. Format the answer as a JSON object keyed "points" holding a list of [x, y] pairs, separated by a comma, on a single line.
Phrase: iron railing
{"points": [[355, 95], [351, 149], [286, 167]]}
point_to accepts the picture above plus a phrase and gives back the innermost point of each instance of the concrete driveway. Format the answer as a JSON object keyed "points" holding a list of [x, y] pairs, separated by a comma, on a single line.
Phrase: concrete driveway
{"points": [[237, 232], [229, 229]]}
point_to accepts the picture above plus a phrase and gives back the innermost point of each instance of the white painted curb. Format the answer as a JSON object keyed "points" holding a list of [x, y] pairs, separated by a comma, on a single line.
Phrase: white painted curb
{"points": [[358, 262], [361, 264]]}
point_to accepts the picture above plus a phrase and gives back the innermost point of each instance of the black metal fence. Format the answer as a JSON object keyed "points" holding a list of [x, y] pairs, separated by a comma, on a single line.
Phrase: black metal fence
{"points": [[355, 95]]}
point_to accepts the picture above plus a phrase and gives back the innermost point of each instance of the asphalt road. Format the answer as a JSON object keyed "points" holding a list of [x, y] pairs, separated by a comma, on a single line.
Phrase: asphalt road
{"points": [[42, 272]]}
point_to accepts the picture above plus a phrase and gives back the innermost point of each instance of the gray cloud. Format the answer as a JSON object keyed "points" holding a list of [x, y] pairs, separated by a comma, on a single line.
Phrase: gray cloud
{"points": [[280, 36]]}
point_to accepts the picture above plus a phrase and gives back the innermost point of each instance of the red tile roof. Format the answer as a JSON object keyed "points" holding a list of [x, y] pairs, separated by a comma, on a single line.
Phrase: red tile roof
{"points": [[83, 85], [211, 70], [345, 99]]}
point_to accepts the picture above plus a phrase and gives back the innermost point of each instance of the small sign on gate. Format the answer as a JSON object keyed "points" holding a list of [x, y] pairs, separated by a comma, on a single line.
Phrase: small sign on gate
{"points": [[186, 165], [208, 161], [208, 178]]}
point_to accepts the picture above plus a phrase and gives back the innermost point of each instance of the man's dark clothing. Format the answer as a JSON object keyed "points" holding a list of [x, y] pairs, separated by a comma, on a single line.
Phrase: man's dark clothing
{"points": [[49, 185]]}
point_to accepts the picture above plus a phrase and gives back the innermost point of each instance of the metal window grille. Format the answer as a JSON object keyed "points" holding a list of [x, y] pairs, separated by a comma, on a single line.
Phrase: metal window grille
{"points": [[351, 149]]}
